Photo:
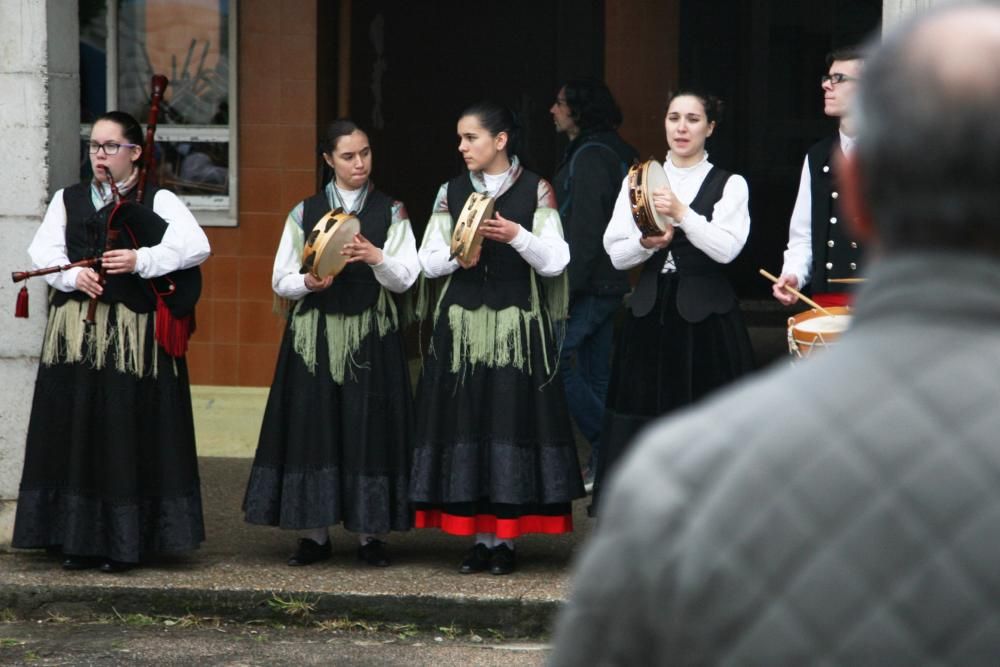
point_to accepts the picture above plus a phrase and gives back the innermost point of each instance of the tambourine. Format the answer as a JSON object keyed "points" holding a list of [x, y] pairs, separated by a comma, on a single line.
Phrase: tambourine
{"points": [[464, 239], [643, 179], [321, 255]]}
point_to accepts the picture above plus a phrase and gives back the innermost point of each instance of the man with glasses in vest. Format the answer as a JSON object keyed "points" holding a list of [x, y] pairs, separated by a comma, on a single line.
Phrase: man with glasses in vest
{"points": [[821, 252]]}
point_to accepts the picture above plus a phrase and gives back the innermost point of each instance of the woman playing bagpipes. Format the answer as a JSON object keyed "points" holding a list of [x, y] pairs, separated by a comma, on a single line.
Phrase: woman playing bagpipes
{"points": [[335, 442], [494, 456], [110, 472]]}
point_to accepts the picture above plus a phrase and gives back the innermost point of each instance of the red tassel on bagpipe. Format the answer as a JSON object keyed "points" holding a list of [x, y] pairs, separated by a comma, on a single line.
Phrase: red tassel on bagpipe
{"points": [[21, 309], [172, 332]]}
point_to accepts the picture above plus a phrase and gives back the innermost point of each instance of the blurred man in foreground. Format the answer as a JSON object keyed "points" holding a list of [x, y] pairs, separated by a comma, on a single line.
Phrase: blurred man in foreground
{"points": [[847, 510]]}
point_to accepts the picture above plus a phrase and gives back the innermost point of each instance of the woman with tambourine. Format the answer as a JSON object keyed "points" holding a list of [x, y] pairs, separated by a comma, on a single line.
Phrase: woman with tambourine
{"points": [[494, 456], [110, 471], [335, 440], [683, 333]]}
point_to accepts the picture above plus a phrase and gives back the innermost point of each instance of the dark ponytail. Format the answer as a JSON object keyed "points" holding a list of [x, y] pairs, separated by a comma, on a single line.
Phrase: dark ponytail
{"points": [[328, 144], [131, 129], [713, 105], [496, 118], [334, 131]]}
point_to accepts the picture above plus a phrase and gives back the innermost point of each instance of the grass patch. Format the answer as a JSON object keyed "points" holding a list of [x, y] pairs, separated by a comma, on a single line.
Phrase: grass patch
{"points": [[450, 631], [135, 620], [56, 617], [296, 607]]}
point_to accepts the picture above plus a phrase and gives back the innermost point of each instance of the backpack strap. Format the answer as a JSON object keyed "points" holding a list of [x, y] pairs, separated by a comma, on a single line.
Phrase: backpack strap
{"points": [[564, 207]]}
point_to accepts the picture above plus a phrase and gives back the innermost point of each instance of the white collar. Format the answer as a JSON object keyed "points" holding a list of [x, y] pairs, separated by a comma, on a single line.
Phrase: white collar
{"points": [[669, 166], [846, 143]]}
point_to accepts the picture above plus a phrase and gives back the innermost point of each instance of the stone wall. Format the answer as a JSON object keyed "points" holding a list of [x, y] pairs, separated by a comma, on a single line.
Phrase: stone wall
{"points": [[39, 125]]}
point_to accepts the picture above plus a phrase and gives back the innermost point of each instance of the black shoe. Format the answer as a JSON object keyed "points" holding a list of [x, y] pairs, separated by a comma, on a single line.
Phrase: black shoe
{"points": [[373, 552], [310, 552], [116, 566], [502, 560], [81, 562], [477, 560]]}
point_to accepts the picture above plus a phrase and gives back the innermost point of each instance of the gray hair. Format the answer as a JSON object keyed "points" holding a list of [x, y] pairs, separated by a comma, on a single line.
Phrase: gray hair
{"points": [[928, 142]]}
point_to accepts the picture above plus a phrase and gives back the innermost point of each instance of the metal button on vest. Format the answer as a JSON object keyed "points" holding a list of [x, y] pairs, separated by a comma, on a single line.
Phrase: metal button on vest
{"points": [[834, 195], [853, 266], [826, 168], [854, 245], [833, 220], [829, 265], [829, 244]]}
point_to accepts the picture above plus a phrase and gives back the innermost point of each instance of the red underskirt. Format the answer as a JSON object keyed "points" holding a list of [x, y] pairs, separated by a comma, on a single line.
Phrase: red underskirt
{"points": [[832, 299], [505, 529]]}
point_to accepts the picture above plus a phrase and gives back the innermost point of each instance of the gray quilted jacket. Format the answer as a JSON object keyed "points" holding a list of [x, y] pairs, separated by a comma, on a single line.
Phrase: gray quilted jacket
{"points": [[845, 511]]}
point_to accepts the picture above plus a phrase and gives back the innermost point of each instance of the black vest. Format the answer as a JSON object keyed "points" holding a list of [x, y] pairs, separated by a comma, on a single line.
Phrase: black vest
{"points": [[86, 230], [501, 278], [355, 289], [834, 253], [703, 287]]}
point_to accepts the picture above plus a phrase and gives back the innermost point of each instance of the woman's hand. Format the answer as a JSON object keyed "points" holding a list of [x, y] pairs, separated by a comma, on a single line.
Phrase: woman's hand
{"points": [[88, 282], [314, 284], [120, 261], [658, 242], [498, 228], [666, 203], [472, 260], [361, 249]]}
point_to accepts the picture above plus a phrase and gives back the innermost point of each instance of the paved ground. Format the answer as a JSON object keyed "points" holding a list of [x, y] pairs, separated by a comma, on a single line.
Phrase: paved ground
{"points": [[239, 577], [240, 572], [145, 640]]}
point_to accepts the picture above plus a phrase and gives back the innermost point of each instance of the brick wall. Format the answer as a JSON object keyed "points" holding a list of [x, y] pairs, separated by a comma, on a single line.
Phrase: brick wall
{"points": [[237, 338], [641, 66]]}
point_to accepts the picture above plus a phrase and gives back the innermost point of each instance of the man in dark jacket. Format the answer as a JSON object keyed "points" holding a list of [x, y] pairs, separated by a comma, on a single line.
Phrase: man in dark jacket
{"points": [[587, 183], [844, 511]]}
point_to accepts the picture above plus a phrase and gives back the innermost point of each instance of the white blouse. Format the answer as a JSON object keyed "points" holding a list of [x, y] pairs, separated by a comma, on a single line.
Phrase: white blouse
{"points": [[397, 271], [183, 245], [722, 239], [544, 247]]}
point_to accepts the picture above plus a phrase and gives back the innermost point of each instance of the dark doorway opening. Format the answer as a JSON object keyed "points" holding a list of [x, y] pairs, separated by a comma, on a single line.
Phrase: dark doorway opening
{"points": [[416, 65], [764, 59]]}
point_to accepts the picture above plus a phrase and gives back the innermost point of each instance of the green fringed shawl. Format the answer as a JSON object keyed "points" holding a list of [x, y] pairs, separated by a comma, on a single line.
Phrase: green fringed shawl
{"points": [[499, 338], [502, 338], [69, 340], [344, 334]]}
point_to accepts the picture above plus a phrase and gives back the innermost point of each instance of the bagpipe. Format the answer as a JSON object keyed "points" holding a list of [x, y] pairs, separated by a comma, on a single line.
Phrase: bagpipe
{"points": [[127, 223]]}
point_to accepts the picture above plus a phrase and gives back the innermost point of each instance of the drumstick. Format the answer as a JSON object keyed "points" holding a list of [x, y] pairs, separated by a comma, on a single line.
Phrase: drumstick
{"points": [[797, 293], [846, 280]]}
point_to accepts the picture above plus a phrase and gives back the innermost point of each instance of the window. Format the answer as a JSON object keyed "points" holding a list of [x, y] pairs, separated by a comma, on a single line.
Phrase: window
{"points": [[123, 43]]}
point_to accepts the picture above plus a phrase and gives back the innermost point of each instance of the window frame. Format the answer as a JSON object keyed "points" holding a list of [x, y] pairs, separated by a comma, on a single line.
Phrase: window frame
{"points": [[210, 210]]}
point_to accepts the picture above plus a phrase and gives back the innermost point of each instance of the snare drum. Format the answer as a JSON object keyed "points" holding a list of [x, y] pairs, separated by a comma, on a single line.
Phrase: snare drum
{"points": [[643, 179], [464, 239], [321, 255], [814, 329]]}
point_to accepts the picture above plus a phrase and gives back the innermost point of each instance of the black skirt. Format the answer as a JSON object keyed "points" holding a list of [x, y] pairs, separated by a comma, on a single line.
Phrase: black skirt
{"points": [[330, 453], [110, 466], [663, 362], [494, 450]]}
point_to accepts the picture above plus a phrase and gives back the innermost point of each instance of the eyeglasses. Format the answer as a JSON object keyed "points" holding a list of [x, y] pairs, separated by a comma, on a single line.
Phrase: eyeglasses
{"points": [[835, 78], [110, 148]]}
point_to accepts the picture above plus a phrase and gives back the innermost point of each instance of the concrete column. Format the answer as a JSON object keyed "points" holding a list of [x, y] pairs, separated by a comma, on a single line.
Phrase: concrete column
{"points": [[895, 10], [39, 126]]}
